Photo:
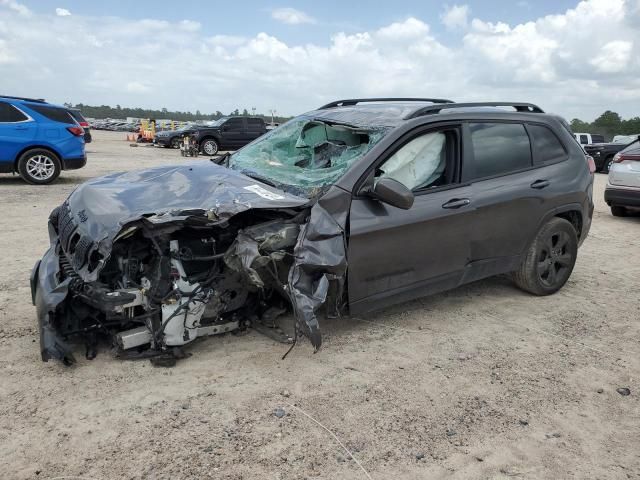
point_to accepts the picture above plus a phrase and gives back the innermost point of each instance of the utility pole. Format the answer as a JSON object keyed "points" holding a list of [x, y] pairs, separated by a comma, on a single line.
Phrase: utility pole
{"points": [[273, 112], [253, 111]]}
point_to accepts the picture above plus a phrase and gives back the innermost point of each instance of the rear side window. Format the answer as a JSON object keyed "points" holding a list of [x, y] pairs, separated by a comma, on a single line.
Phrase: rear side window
{"points": [[584, 140], [499, 148], [597, 138], [546, 145], [234, 124], [77, 115], [53, 113], [255, 124], [8, 114]]}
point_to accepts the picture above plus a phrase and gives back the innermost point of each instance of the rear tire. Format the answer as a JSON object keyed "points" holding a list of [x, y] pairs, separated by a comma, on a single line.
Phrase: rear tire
{"points": [[607, 164], [550, 259], [618, 211], [39, 166]]}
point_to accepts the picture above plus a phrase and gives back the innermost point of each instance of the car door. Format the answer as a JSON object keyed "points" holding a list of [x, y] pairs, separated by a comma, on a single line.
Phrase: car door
{"points": [[511, 195], [255, 128], [234, 133], [17, 129], [396, 254]]}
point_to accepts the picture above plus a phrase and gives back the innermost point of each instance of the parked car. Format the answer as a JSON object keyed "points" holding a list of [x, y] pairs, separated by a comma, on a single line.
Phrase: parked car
{"points": [[355, 206], [38, 139], [172, 138], [623, 187], [228, 133], [625, 139], [603, 153], [588, 138], [77, 115]]}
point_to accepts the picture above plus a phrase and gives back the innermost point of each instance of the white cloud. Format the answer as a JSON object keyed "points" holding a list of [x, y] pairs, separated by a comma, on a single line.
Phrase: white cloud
{"points": [[613, 57], [190, 25], [136, 87], [291, 16], [410, 28], [62, 12], [15, 6], [455, 16], [578, 63]]}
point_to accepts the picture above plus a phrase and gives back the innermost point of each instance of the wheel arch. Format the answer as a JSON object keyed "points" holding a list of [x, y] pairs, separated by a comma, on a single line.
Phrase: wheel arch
{"points": [[37, 147], [210, 136], [571, 212]]}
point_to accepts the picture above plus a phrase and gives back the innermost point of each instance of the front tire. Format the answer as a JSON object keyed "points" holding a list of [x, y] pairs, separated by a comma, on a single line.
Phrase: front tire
{"points": [[209, 146], [607, 164], [550, 259], [39, 166], [176, 142]]}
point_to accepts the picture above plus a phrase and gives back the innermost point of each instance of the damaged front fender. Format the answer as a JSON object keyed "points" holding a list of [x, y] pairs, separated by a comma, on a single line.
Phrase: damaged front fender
{"points": [[203, 271]]}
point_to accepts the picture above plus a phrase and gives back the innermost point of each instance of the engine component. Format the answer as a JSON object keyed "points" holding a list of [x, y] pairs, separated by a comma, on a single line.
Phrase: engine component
{"points": [[133, 338]]}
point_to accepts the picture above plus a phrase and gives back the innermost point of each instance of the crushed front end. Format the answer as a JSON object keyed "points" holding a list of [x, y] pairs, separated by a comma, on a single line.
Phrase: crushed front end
{"points": [[150, 283]]}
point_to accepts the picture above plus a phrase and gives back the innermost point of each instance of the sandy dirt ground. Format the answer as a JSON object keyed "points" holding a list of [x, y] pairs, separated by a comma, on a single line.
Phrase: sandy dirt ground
{"points": [[481, 382]]}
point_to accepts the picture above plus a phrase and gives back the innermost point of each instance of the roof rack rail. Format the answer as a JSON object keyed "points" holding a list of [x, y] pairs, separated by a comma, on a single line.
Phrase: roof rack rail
{"points": [[39, 100], [519, 106], [355, 101]]}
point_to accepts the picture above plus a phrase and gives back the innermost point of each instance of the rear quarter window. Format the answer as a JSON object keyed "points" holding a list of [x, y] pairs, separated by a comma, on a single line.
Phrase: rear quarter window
{"points": [[499, 148], [546, 146], [54, 113], [77, 115], [597, 138], [10, 114]]}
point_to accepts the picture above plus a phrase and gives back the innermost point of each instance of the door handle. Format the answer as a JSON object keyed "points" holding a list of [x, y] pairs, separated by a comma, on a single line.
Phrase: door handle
{"points": [[539, 184], [457, 203]]}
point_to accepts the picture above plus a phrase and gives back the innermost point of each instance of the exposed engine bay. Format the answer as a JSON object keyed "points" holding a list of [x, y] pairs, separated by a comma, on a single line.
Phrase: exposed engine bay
{"points": [[165, 290], [152, 281]]}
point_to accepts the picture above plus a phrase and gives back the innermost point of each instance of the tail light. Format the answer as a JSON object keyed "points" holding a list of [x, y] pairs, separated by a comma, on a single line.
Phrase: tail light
{"points": [[78, 131], [84, 124], [619, 157], [591, 163]]}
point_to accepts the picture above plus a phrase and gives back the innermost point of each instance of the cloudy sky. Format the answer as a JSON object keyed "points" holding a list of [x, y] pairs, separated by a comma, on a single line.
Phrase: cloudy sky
{"points": [[573, 58]]}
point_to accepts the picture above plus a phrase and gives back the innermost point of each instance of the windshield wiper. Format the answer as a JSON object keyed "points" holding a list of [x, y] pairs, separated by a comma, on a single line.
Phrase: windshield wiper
{"points": [[220, 159], [260, 178], [328, 121]]}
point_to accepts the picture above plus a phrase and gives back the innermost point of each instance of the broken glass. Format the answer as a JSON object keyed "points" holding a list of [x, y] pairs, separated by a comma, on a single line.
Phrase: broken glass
{"points": [[306, 154]]}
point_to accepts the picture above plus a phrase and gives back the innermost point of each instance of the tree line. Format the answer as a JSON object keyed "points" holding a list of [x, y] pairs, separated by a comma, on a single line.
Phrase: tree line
{"points": [[106, 111], [608, 124]]}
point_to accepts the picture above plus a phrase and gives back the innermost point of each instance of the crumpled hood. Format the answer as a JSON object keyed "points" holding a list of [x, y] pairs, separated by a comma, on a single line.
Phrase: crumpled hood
{"points": [[99, 208]]}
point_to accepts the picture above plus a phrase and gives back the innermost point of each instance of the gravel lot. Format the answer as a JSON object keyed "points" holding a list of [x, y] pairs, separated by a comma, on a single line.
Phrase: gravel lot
{"points": [[481, 382]]}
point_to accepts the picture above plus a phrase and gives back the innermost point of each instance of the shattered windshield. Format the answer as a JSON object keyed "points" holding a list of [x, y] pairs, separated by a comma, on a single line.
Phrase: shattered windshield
{"points": [[305, 155]]}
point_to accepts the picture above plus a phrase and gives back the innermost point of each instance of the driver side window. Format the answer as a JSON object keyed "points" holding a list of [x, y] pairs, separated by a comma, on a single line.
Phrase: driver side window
{"points": [[424, 162]]}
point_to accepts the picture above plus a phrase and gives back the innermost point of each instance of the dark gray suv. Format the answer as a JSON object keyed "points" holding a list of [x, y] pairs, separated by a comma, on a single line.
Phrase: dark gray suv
{"points": [[354, 206]]}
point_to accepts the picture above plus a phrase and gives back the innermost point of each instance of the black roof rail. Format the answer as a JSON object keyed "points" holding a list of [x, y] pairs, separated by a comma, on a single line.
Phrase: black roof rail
{"points": [[355, 101], [38, 100], [519, 106]]}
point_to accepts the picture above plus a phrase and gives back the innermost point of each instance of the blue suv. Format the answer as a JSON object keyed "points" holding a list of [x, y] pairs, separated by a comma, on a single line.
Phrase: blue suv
{"points": [[38, 139]]}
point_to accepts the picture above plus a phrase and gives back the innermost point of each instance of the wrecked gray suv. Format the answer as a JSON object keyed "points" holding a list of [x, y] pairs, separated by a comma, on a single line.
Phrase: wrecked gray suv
{"points": [[345, 209]]}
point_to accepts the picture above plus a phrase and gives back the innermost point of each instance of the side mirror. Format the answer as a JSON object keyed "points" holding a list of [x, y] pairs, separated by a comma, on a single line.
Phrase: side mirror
{"points": [[392, 192]]}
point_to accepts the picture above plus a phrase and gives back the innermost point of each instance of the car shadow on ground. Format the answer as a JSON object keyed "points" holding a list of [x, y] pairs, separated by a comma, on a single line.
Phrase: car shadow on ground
{"points": [[66, 180]]}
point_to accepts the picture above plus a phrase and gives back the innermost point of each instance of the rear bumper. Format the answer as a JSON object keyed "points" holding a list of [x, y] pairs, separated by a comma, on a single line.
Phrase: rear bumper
{"points": [[624, 197], [74, 163]]}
